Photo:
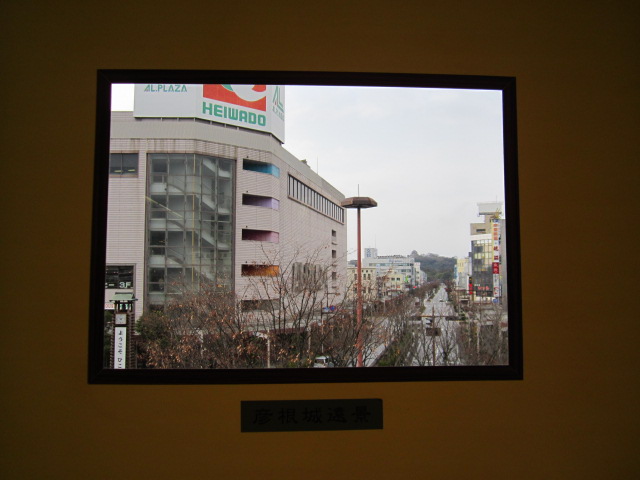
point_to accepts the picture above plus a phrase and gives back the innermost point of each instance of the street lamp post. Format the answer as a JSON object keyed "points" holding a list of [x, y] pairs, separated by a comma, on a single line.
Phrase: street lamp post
{"points": [[359, 203]]}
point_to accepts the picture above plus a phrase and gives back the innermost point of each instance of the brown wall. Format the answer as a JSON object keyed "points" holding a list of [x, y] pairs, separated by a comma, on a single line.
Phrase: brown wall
{"points": [[574, 416]]}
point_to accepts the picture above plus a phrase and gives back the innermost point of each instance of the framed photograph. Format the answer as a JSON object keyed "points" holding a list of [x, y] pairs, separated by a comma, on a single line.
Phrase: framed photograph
{"points": [[313, 227]]}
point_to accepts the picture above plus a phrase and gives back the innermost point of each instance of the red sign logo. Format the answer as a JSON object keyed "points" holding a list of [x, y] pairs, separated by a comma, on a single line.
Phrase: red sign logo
{"points": [[251, 96]]}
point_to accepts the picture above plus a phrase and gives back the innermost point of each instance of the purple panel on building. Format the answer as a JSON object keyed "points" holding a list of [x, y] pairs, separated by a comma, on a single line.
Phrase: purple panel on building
{"points": [[260, 235], [259, 201]]}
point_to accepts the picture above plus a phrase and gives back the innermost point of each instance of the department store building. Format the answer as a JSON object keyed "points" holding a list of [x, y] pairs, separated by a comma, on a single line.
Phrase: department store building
{"points": [[202, 189]]}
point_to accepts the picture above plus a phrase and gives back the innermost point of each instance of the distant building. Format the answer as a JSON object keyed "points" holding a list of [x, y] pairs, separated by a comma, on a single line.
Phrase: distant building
{"points": [[462, 273], [487, 252], [421, 276], [370, 284], [393, 283], [370, 252], [387, 275], [406, 267]]}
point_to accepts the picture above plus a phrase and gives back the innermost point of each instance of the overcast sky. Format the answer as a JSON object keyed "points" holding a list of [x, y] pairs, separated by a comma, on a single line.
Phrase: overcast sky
{"points": [[427, 156]]}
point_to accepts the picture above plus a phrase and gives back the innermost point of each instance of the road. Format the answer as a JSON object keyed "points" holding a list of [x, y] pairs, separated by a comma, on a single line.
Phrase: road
{"points": [[439, 305], [434, 320]]}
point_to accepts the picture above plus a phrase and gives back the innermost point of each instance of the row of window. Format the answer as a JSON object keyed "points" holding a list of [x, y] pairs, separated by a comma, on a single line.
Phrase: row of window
{"points": [[190, 164], [176, 164], [311, 198], [172, 279]]}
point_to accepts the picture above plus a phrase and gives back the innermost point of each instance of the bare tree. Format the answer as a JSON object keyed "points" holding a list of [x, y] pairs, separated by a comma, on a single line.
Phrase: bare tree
{"points": [[303, 316], [401, 314], [483, 335], [282, 319], [288, 314], [285, 303], [338, 338], [198, 329], [437, 339]]}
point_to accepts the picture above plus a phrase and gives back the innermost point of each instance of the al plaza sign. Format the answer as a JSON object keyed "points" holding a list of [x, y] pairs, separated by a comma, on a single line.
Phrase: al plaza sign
{"points": [[257, 107]]}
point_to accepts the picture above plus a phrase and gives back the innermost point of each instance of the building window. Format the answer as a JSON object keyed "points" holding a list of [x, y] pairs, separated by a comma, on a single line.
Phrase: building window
{"points": [[123, 164], [119, 276], [260, 235], [260, 201], [260, 167], [260, 270], [156, 280], [189, 224]]}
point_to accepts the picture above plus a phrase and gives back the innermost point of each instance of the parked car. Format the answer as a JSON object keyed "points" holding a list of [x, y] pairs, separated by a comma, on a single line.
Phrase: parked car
{"points": [[323, 362]]}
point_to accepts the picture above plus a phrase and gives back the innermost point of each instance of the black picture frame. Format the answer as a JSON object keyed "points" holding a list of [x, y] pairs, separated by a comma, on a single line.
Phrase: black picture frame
{"points": [[97, 374]]}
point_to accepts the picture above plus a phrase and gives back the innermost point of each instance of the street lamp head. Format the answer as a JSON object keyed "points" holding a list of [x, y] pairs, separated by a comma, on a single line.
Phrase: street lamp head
{"points": [[359, 202]]}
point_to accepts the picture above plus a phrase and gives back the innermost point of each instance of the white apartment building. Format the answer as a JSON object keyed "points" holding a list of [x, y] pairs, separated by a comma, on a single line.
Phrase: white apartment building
{"points": [[385, 276], [406, 268]]}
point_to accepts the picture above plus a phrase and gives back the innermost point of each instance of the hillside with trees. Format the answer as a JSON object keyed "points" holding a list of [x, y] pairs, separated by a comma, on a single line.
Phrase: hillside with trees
{"points": [[435, 266]]}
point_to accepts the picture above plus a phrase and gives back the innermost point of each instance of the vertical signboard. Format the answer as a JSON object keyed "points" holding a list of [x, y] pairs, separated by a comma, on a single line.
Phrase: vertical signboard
{"points": [[495, 235], [120, 347], [256, 107]]}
